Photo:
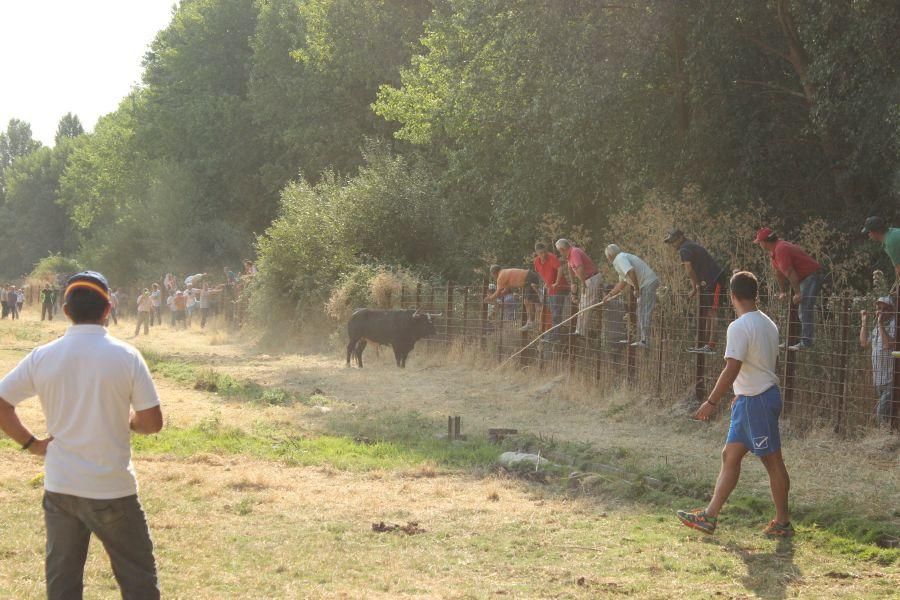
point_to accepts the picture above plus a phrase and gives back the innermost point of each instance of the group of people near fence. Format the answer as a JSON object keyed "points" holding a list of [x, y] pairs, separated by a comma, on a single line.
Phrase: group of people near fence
{"points": [[12, 299], [551, 279]]}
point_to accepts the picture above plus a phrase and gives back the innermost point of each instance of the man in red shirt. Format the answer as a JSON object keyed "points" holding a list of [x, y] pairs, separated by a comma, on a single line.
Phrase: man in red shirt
{"points": [[548, 267], [798, 272], [582, 268]]}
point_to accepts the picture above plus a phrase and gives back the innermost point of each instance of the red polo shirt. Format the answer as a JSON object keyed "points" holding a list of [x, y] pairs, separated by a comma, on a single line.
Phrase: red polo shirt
{"points": [[548, 270], [787, 255]]}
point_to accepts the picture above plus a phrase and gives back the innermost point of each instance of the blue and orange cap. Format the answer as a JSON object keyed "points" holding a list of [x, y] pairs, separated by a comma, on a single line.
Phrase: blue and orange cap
{"points": [[88, 280]]}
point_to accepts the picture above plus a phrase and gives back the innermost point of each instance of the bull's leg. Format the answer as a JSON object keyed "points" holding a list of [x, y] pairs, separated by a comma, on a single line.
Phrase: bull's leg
{"points": [[403, 360], [351, 347], [359, 350], [398, 357]]}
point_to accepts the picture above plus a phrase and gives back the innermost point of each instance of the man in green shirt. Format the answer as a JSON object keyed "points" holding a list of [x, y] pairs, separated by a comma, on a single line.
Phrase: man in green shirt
{"points": [[46, 303], [877, 230]]}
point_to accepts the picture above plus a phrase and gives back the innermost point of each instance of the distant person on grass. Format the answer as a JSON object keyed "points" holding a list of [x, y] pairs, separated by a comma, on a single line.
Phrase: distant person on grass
{"points": [[582, 268], [750, 354], [547, 265], [4, 291], [47, 303], [114, 306], [13, 302], [798, 272], [708, 280], [635, 272], [881, 341], [878, 230], [156, 298], [144, 310], [93, 388], [513, 279]]}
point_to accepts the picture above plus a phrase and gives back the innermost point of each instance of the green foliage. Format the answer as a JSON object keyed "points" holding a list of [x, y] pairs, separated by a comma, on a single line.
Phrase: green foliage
{"points": [[54, 264], [69, 127]]}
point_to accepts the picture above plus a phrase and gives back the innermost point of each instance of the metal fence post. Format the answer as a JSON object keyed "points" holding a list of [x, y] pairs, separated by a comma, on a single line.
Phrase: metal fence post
{"points": [[484, 312], [449, 315]]}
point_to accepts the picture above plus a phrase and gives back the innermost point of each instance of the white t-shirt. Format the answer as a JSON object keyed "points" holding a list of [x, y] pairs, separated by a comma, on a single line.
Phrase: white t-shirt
{"points": [[87, 381], [753, 340], [624, 262]]}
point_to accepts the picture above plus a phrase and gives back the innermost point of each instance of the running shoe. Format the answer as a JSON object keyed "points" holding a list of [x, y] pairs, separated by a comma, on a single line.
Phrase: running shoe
{"points": [[698, 519], [776, 530], [641, 344], [704, 349], [799, 347], [527, 326]]}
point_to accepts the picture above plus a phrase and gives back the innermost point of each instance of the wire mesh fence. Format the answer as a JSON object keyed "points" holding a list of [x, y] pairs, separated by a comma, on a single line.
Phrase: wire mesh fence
{"points": [[831, 384]]}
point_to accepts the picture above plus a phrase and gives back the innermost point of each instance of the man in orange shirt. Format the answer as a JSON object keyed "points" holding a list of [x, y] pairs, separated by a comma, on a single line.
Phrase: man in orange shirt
{"points": [[512, 279], [547, 265]]}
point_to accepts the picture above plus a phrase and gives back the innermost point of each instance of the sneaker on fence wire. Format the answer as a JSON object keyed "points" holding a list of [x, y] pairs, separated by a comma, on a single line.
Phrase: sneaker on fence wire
{"points": [[698, 519], [641, 344], [622, 342], [776, 530], [527, 326], [800, 346], [895, 354], [704, 349], [782, 345]]}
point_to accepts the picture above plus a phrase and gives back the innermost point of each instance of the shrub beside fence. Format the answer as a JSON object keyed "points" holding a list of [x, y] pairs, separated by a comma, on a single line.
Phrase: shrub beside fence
{"points": [[829, 385]]}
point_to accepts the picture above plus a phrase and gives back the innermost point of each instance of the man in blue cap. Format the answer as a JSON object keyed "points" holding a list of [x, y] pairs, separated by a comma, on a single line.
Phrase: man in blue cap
{"points": [[94, 390]]}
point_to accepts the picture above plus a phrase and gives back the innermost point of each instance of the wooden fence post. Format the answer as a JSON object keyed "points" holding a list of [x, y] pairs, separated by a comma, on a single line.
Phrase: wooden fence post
{"points": [[629, 349], [465, 319], [895, 399], [418, 295], [449, 314], [790, 358], [700, 368], [840, 416], [484, 313]]}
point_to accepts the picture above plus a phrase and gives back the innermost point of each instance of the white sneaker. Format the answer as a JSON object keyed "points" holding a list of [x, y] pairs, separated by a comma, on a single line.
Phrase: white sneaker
{"points": [[527, 326], [641, 344]]}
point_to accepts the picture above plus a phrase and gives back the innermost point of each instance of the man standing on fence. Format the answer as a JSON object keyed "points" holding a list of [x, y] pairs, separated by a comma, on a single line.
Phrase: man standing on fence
{"points": [[882, 342], [582, 268], [635, 272], [708, 280], [93, 389], [751, 352], [512, 279], [798, 272], [548, 267], [877, 230]]}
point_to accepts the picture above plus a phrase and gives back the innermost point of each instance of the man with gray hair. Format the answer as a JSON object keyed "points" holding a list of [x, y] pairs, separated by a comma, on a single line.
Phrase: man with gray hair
{"points": [[582, 267], [635, 272]]}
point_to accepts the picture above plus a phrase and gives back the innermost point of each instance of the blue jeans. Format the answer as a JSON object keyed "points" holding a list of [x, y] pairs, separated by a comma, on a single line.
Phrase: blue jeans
{"points": [[557, 306], [809, 293]]}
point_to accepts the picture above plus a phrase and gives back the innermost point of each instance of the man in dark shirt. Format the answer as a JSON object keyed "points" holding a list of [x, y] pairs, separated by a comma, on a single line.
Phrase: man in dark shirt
{"points": [[47, 303], [708, 280]]}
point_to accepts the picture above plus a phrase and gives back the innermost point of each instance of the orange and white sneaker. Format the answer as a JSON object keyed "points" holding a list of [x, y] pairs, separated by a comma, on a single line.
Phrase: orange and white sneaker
{"points": [[698, 519], [778, 530]]}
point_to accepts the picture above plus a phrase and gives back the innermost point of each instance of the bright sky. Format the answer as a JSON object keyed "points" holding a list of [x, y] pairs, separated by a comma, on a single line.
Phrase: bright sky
{"points": [[80, 56]]}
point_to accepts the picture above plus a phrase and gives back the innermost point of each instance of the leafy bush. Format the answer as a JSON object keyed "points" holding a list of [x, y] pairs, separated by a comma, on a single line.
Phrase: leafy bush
{"points": [[368, 286], [55, 264]]}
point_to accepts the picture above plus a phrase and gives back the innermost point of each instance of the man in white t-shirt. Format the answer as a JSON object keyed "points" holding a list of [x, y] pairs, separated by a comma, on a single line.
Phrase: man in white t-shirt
{"points": [[750, 356], [93, 388], [635, 272]]}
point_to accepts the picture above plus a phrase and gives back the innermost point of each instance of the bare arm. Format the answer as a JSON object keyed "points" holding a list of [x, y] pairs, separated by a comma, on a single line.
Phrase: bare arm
{"points": [[15, 429], [632, 276], [617, 289], [146, 421], [723, 384], [782, 281], [579, 273], [887, 342], [794, 279], [692, 275]]}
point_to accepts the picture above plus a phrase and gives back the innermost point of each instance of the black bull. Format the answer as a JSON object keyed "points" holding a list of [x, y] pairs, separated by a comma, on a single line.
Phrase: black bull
{"points": [[399, 329]]}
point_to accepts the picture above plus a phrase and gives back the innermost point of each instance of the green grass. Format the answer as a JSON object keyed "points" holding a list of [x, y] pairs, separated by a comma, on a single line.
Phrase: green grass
{"points": [[341, 452], [226, 386]]}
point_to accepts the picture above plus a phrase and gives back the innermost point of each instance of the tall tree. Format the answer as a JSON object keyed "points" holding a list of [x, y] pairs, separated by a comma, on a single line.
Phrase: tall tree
{"points": [[15, 143], [69, 127]]}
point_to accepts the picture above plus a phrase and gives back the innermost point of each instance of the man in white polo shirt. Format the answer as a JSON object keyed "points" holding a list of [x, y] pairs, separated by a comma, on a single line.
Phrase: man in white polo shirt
{"points": [[635, 272], [93, 389]]}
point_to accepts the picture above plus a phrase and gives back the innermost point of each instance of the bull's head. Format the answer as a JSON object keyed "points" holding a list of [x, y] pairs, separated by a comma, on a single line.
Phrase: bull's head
{"points": [[424, 323]]}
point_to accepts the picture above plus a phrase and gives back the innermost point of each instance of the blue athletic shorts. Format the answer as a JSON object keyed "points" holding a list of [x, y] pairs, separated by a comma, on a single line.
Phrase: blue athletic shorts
{"points": [[754, 422]]}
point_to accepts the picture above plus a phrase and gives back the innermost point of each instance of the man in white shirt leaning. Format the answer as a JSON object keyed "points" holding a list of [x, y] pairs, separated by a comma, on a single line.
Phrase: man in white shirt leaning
{"points": [[750, 356], [93, 389]]}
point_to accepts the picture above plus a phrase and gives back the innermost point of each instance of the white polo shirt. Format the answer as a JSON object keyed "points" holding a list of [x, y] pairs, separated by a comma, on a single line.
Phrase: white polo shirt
{"points": [[624, 262], [87, 382], [753, 340]]}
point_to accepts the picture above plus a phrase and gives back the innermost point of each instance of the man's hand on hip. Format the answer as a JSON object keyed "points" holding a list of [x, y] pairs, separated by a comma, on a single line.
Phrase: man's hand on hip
{"points": [[39, 447]]}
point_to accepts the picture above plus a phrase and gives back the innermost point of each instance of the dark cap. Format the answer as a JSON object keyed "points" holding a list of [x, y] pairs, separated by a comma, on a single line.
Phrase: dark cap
{"points": [[90, 280], [673, 235], [873, 224]]}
